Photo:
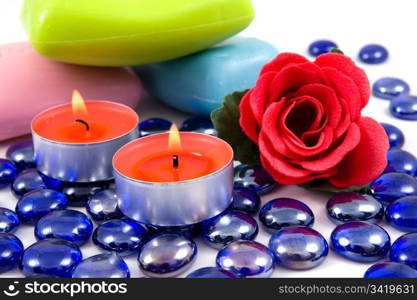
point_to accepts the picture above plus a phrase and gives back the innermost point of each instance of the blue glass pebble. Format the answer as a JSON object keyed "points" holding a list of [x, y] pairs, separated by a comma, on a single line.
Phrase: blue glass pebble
{"points": [[11, 250], [402, 213], [401, 161], [373, 54], [350, 206], [167, 255], [404, 107], [403, 250], [123, 236], [36, 204], [199, 124], [153, 126], [78, 193], [50, 258], [70, 225], [189, 231], [9, 221], [7, 173], [105, 265], [246, 259], [360, 241], [395, 136], [320, 47], [245, 200], [211, 272], [298, 248], [391, 186], [31, 179], [389, 87], [390, 270], [254, 178], [228, 227], [22, 155], [103, 205], [283, 212]]}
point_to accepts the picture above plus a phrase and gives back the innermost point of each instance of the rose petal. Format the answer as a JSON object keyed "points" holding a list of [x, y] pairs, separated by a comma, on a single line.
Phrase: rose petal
{"points": [[260, 95], [247, 120], [282, 60]]}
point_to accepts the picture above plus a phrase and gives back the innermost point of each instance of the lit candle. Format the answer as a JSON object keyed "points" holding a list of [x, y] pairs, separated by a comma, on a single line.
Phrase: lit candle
{"points": [[76, 142], [174, 179]]}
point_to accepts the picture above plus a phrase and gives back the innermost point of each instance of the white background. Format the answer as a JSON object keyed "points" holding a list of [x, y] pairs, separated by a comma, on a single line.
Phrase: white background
{"points": [[290, 25]]}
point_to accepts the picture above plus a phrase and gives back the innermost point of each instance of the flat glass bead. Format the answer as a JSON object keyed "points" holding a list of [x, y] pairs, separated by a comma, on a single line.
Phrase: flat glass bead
{"points": [[360, 241], [284, 212], [298, 248], [70, 225], [22, 155], [392, 186], [167, 255], [103, 205], [390, 270], [105, 265], [11, 250], [228, 227], [153, 126], [403, 250], [189, 231], [78, 193], [320, 47], [402, 213], [9, 221], [211, 272], [245, 200], [7, 173], [401, 161], [254, 178], [404, 107], [36, 204], [125, 237], [373, 54], [200, 125], [30, 180], [389, 87], [350, 206], [395, 136]]}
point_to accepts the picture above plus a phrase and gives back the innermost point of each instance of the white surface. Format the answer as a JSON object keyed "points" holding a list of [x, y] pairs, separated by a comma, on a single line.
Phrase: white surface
{"points": [[291, 26]]}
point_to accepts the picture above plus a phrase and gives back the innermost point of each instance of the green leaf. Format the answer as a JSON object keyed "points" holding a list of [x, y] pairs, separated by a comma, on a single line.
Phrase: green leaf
{"points": [[324, 186], [226, 122], [336, 50]]}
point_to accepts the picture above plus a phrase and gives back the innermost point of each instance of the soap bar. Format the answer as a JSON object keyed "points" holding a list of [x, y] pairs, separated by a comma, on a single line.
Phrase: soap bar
{"points": [[198, 83], [130, 32], [31, 83]]}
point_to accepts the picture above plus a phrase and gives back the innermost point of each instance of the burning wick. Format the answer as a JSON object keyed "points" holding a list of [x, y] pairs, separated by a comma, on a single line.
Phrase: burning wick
{"points": [[175, 161], [87, 127]]}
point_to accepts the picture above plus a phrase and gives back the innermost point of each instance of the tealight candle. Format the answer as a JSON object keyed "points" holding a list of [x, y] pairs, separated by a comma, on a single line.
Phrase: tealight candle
{"points": [[174, 179], [76, 142]]}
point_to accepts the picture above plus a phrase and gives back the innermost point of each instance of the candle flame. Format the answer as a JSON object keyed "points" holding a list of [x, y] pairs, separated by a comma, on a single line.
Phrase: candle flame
{"points": [[79, 108], [174, 140]]}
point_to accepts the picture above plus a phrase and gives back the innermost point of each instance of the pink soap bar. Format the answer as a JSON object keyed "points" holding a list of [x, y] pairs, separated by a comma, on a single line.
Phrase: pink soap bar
{"points": [[30, 83]]}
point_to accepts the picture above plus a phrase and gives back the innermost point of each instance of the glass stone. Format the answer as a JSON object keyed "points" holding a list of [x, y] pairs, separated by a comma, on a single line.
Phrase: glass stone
{"points": [[7, 173], [189, 231], [403, 250], [284, 212], [103, 205], [404, 107], [211, 272], [401, 161], [70, 225], [104, 265], [50, 258], [228, 227], [11, 250], [254, 178], [360, 241], [299, 248], [402, 213], [246, 259], [22, 155], [350, 206], [9, 221], [373, 54], [200, 125], [390, 270], [38, 203], [31, 179], [245, 200], [395, 136], [153, 126], [389, 87], [167, 255], [392, 186], [320, 47], [78, 193], [125, 237]]}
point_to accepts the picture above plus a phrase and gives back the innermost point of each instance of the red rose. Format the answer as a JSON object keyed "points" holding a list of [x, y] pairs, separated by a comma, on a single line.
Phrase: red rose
{"points": [[306, 119]]}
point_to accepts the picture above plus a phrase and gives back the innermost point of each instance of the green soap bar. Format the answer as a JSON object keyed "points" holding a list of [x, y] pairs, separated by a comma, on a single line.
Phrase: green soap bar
{"points": [[130, 32]]}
